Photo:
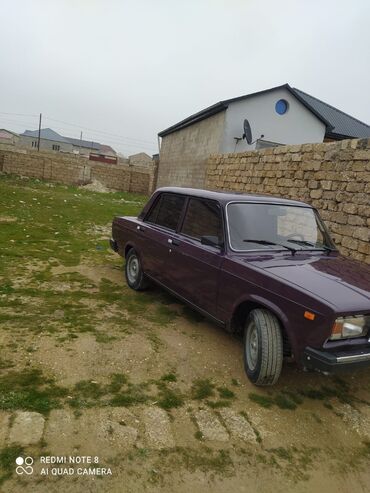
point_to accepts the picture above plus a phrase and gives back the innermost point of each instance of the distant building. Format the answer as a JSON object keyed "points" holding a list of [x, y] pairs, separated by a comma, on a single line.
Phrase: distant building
{"points": [[52, 141], [140, 159], [49, 141], [8, 138]]}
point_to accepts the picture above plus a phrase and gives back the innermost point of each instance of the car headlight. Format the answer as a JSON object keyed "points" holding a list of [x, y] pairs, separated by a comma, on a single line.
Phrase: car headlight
{"points": [[348, 327]]}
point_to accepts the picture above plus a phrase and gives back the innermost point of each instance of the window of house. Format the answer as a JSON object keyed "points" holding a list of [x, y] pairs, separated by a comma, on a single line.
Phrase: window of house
{"points": [[34, 143], [166, 211], [203, 218], [56, 147]]}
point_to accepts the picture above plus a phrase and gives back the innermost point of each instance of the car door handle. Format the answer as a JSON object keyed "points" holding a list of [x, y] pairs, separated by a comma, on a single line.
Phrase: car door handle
{"points": [[140, 228], [174, 242]]}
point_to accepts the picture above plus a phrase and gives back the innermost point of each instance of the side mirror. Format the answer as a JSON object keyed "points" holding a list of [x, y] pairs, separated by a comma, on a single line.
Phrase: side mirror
{"points": [[213, 241]]}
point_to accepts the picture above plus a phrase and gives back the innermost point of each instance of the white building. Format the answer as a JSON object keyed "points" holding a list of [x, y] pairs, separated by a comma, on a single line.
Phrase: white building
{"points": [[277, 116]]}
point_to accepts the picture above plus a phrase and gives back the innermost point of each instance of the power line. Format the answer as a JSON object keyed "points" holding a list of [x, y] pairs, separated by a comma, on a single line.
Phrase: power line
{"points": [[99, 131], [115, 141], [16, 114]]}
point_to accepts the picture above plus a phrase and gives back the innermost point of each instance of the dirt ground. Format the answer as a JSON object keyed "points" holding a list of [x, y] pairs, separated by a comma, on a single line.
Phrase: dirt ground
{"points": [[155, 394]]}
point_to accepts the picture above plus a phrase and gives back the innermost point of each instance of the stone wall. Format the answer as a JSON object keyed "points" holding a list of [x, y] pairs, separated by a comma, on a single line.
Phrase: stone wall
{"points": [[333, 177], [184, 153], [75, 170]]}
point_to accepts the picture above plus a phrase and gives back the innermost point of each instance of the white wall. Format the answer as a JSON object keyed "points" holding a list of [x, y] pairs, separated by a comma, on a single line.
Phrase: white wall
{"points": [[297, 126]]}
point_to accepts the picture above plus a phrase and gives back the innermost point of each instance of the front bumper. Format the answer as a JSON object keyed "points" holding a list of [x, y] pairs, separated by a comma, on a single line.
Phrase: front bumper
{"points": [[113, 244], [336, 361]]}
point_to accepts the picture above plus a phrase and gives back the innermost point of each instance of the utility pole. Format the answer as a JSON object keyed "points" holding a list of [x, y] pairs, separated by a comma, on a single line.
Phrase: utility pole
{"points": [[38, 141], [80, 143]]}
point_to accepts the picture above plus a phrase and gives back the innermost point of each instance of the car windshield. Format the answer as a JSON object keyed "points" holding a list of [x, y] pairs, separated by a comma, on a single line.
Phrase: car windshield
{"points": [[254, 226]]}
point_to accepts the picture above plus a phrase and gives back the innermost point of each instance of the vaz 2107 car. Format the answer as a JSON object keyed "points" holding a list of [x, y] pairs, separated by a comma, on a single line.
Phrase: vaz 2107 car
{"points": [[257, 264]]}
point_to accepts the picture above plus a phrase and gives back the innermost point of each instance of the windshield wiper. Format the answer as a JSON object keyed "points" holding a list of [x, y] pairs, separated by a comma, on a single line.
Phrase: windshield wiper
{"points": [[266, 242], [308, 243]]}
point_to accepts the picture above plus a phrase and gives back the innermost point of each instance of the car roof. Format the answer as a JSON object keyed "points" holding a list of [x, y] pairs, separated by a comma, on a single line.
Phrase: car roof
{"points": [[226, 196]]}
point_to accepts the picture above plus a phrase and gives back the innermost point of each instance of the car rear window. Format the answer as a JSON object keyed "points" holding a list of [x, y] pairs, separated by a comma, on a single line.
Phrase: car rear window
{"points": [[203, 218], [166, 211]]}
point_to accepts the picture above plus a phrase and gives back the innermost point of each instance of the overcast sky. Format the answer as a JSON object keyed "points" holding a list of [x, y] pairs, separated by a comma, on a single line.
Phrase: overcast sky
{"points": [[132, 68]]}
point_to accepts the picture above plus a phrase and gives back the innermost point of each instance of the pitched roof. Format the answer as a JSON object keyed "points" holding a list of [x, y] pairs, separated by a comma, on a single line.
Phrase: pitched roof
{"points": [[46, 134], [83, 143], [338, 124], [342, 124]]}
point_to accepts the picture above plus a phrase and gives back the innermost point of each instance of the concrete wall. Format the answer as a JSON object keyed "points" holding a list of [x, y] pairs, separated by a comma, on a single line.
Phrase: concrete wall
{"points": [[75, 170], [184, 153], [334, 178], [297, 126]]}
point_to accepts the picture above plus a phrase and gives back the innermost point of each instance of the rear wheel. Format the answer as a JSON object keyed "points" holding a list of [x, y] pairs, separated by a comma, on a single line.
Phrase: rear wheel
{"points": [[263, 347], [135, 276]]}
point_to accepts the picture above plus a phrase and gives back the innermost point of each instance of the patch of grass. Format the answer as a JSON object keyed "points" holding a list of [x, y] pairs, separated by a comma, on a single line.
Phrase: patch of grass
{"points": [[225, 393], [155, 340], [104, 338], [7, 461], [284, 402], [202, 388], [89, 389], [5, 363], [169, 399], [162, 315], [294, 396], [29, 390], [134, 394], [169, 377], [313, 394], [200, 459], [117, 382], [235, 382], [262, 400], [283, 453], [218, 404]]}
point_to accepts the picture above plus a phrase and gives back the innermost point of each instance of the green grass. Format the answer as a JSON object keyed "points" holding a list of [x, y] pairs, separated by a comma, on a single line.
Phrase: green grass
{"points": [[29, 390], [261, 400], [202, 388], [226, 393], [7, 461], [169, 399]]}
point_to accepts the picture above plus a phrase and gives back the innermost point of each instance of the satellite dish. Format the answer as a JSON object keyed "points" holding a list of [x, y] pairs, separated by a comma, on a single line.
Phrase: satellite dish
{"points": [[247, 132]]}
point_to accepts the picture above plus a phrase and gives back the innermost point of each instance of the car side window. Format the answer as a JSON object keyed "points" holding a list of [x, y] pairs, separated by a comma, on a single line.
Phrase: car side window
{"points": [[166, 211], [203, 218]]}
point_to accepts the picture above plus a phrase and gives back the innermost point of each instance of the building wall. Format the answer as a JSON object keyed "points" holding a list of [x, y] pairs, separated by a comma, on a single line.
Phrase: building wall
{"points": [[297, 126], [25, 142], [8, 138], [140, 159], [184, 153], [75, 170], [333, 177]]}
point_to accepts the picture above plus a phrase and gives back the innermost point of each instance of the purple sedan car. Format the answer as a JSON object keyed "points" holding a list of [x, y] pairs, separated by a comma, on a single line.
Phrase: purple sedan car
{"points": [[259, 265]]}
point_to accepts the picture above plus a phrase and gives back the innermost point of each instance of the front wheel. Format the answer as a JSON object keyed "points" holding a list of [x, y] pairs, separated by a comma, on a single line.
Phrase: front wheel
{"points": [[263, 347], [135, 276]]}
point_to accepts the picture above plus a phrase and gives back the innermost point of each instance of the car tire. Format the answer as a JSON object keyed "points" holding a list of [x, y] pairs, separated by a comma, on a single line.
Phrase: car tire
{"points": [[134, 274], [263, 347]]}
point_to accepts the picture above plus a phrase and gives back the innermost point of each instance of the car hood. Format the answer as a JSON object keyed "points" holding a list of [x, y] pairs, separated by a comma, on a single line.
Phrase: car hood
{"points": [[343, 283]]}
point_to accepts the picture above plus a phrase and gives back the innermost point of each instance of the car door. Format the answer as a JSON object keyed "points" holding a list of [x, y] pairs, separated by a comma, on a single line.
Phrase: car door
{"points": [[159, 223], [194, 268]]}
